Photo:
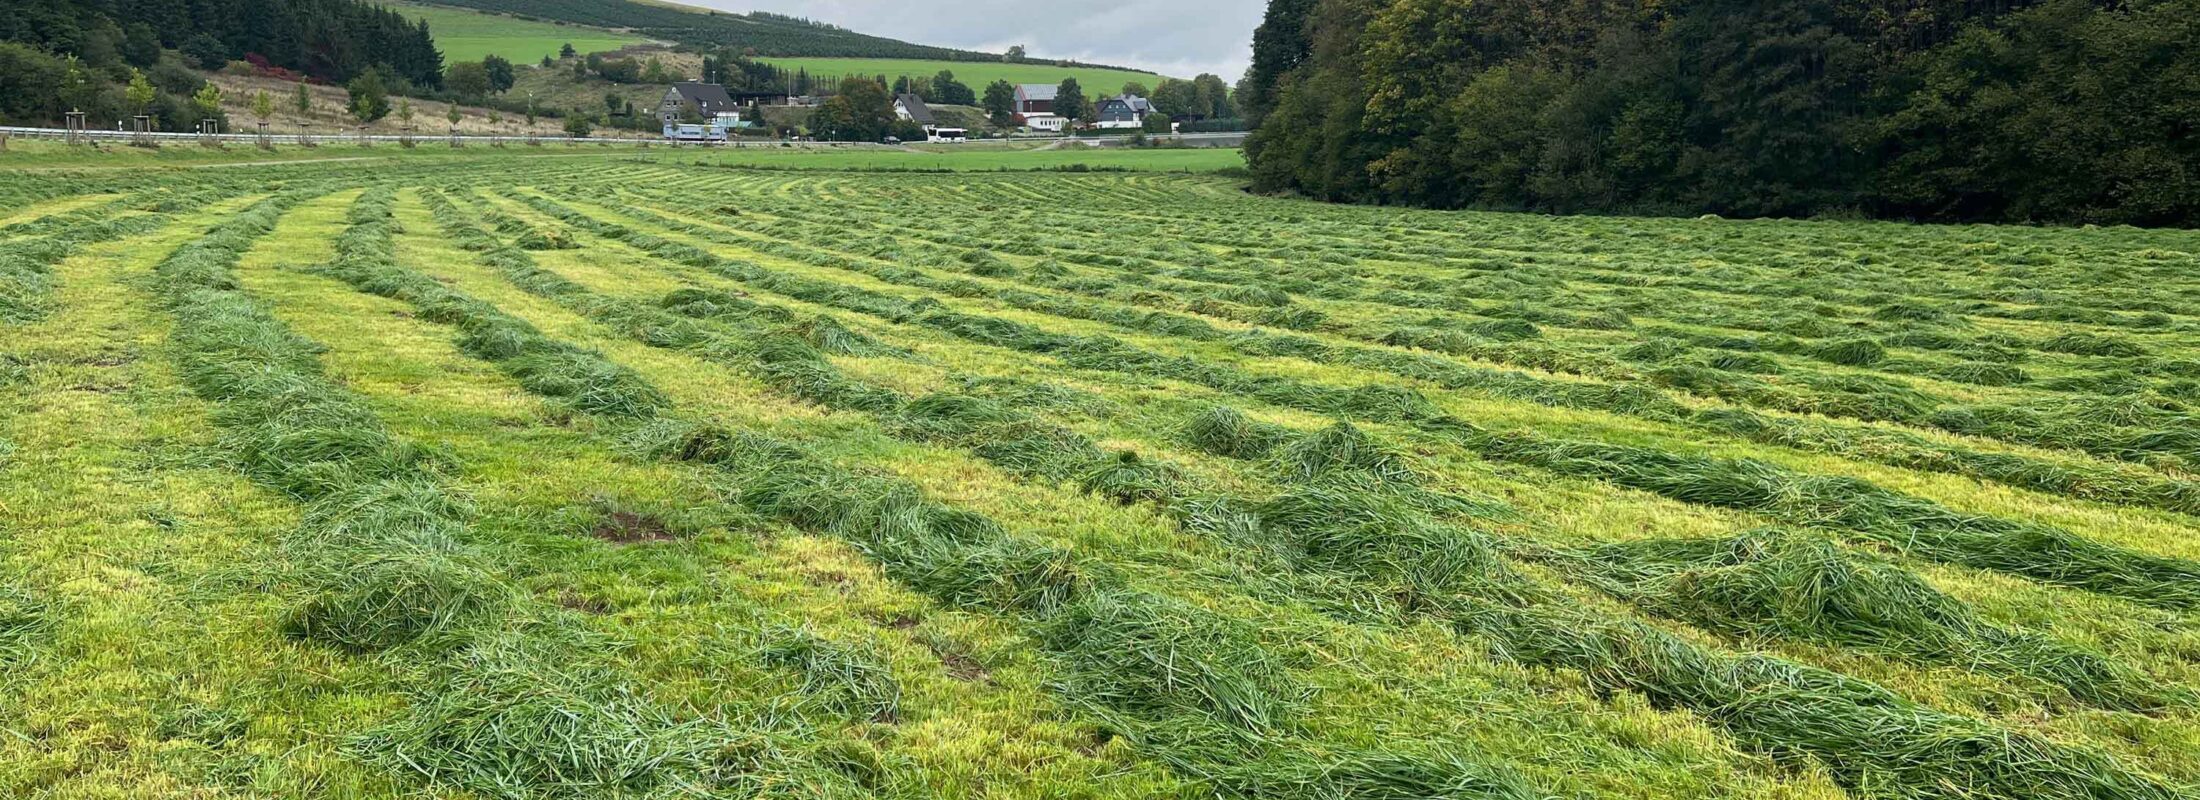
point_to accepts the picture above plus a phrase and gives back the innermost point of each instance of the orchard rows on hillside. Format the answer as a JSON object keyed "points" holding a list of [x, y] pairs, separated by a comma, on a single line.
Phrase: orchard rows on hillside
{"points": [[586, 477]]}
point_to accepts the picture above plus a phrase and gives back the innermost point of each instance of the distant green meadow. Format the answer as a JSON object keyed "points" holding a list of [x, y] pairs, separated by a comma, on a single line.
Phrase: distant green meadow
{"points": [[1096, 81], [468, 35], [987, 158]]}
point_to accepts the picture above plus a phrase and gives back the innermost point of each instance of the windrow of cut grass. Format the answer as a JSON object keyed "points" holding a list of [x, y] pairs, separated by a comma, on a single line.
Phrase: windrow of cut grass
{"points": [[1329, 527], [70, 213], [1364, 522], [2067, 478], [510, 705], [731, 593], [26, 263], [1143, 243], [588, 382], [1888, 519], [1771, 584], [1194, 688]]}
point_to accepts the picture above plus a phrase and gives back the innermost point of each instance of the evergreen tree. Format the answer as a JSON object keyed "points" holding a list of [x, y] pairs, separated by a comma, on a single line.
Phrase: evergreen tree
{"points": [[499, 71]]}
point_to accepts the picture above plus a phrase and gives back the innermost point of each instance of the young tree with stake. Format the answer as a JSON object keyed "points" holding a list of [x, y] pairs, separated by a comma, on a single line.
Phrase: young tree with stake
{"points": [[139, 95], [263, 107]]}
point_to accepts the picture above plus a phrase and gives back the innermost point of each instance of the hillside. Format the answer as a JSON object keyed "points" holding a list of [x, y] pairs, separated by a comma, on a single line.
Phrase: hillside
{"points": [[326, 111], [558, 88], [766, 33], [1095, 80], [467, 35]]}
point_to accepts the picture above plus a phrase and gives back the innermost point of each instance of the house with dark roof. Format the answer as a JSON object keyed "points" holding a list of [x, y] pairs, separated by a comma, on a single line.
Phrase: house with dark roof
{"points": [[705, 100], [1123, 111], [911, 108], [1035, 107]]}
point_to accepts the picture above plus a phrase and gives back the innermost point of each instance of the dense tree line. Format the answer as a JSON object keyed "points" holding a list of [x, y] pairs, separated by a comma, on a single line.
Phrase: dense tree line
{"points": [[333, 40], [115, 58], [739, 73], [2050, 110]]}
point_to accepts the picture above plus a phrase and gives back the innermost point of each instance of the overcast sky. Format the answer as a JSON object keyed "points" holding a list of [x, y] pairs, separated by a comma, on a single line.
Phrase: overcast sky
{"points": [[1173, 37]]}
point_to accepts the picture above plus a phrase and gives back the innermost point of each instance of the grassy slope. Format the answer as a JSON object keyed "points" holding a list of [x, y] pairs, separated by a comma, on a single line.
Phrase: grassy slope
{"points": [[328, 111], [469, 35], [1096, 82], [466, 35]]}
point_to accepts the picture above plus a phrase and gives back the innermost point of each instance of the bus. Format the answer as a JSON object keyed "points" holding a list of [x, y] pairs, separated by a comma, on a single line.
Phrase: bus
{"points": [[946, 135]]}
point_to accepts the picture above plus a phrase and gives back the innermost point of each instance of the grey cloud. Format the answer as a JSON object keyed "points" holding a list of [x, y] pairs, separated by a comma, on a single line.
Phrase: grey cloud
{"points": [[1172, 37]]}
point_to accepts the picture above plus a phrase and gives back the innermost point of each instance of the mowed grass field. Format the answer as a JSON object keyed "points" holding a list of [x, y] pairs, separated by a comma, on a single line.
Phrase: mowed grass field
{"points": [[612, 473], [465, 35], [1097, 82]]}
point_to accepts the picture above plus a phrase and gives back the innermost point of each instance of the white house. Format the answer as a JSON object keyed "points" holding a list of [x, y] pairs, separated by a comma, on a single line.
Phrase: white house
{"points": [[911, 108], [704, 100], [1123, 111]]}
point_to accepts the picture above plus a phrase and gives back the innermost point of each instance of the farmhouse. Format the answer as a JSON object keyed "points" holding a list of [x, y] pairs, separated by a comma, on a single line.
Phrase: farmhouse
{"points": [[1035, 107], [686, 98], [1123, 111]]}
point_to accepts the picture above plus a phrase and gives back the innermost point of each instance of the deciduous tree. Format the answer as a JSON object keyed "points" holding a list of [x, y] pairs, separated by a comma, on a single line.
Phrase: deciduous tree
{"points": [[1000, 103], [1070, 101]]}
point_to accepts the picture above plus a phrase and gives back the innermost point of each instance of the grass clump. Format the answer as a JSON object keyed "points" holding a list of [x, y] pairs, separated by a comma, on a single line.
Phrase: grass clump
{"points": [[1127, 478], [1357, 527], [1342, 448], [539, 239], [1151, 658], [848, 681], [1782, 585], [2079, 343], [371, 599], [1226, 431], [830, 337], [1851, 352], [514, 717]]}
